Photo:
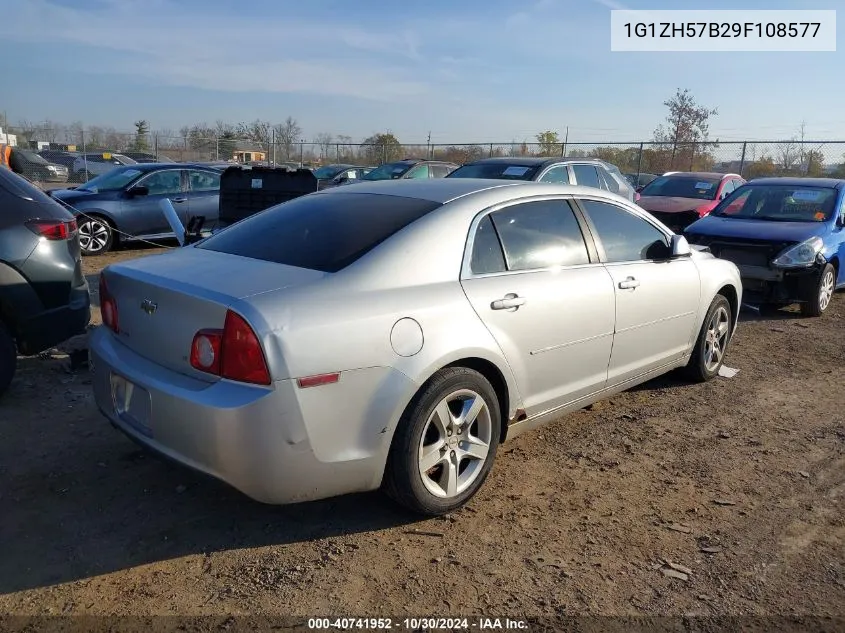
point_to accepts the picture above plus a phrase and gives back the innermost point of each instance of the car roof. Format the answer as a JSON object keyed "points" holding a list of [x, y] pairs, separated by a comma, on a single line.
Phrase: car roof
{"points": [[834, 183], [531, 161], [445, 190], [154, 166], [701, 174]]}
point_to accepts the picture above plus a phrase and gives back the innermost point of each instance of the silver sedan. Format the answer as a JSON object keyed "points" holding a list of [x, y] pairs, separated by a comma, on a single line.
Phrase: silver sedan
{"points": [[393, 334]]}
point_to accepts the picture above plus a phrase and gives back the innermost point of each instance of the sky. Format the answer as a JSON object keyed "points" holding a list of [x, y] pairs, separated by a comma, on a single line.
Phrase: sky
{"points": [[462, 71]]}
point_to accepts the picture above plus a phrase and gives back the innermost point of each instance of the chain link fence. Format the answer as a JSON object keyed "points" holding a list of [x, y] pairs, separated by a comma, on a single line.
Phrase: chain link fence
{"points": [[85, 152]]}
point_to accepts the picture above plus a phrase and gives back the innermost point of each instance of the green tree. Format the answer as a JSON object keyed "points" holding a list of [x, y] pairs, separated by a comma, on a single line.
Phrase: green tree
{"points": [[815, 163], [142, 136], [383, 147], [549, 143]]}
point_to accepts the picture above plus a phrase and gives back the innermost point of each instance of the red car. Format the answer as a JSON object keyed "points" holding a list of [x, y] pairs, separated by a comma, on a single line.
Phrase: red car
{"points": [[680, 198]]}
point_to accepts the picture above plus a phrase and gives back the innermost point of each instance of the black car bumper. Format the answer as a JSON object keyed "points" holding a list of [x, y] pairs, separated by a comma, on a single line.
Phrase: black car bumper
{"points": [[779, 286], [55, 326]]}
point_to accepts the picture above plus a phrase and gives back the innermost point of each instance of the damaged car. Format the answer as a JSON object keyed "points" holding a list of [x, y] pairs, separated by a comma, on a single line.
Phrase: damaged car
{"points": [[786, 236]]}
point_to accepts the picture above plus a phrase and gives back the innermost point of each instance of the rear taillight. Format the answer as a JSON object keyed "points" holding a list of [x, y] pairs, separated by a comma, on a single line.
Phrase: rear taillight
{"points": [[233, 352], [108, 306], [53, 229]]}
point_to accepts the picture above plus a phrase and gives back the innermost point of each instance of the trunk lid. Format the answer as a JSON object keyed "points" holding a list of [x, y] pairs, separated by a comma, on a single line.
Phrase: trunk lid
{"points": [[163, 300]]}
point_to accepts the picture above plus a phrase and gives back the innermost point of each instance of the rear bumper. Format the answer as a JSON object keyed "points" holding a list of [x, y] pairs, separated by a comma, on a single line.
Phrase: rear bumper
{"points": [[776, 285], [277, 444], [52, 327]]}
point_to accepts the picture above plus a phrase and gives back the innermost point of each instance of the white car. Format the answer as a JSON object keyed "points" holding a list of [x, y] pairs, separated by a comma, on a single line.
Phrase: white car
{"points": [[394, 333]]}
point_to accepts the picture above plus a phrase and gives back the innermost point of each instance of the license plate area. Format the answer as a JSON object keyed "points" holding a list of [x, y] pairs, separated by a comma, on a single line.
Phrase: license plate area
{"points": [[131, 404]]}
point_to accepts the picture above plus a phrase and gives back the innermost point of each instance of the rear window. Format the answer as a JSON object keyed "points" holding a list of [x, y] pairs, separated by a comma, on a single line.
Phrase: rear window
{"points": [[320, 232], [499, 171]]}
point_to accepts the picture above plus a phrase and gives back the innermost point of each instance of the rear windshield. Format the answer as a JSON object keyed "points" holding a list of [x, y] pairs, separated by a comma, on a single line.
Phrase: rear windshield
{"points": [[325, 232], [702, 188], [779, 203], [499, 171]]}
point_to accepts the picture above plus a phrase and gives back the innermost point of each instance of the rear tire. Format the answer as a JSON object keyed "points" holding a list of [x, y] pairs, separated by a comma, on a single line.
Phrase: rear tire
{"points": [[95, 235], [712, 344], [819, 298], [8, 358], [445, 443]]}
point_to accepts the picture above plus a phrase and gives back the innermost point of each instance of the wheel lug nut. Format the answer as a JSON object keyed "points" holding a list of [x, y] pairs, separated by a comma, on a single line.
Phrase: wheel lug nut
{"points": [[453, 453]]}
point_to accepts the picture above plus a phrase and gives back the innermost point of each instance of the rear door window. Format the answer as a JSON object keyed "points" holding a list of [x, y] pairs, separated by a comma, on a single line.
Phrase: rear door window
{"points": [[586, 176], [540, 234], [320, 232]]}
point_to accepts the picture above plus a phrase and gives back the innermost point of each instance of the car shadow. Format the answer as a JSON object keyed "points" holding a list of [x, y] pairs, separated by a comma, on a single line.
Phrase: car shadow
{"points": [[80, 500], [755, 313]]}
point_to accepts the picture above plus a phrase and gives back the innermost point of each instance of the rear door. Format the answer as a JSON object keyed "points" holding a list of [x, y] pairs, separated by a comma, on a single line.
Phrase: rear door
{"points": [[537, 285], [143, 214], [203, 195], [657, 297]]}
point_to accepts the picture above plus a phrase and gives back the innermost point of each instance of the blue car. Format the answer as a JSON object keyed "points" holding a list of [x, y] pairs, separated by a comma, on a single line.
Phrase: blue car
{"points": [[786, 236], [124, 204]]}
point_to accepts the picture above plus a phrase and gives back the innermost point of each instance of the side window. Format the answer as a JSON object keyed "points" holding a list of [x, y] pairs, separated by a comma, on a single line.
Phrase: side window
{"points": [[728, 188], [204, 181], [737, 203], [626, 237], [420, 171], [163, 182], [609, 180], [96, 158], [558, 174], [487, 255], [586, 175], [440, 171], [540, 234]]}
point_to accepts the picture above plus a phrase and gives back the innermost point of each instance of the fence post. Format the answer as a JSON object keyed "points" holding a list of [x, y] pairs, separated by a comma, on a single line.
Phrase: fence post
{"points": [[639, 163], [301, 152], [337, 152], [742, 158], [272, 148], [155, 144], [562, 150], [84, 153], [383, 153], [692, 157], [217, 147], [491, 150]]}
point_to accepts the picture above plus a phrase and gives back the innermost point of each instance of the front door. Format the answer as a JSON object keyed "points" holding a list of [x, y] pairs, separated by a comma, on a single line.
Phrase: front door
{"points": [[547, 302], [657, 297]]}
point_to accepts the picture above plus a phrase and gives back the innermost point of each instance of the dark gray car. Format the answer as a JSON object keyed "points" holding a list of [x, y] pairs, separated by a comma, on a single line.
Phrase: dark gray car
{"points": [[43, 294], [588, 172], [125, 203]]}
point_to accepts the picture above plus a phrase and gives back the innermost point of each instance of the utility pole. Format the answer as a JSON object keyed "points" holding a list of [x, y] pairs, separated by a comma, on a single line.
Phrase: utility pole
{"points": [[428, 143], [565, 141]]}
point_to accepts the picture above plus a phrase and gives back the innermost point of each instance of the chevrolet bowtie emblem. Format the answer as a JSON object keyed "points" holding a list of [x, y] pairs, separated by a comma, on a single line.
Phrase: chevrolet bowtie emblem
{"points": [[148, 306]]}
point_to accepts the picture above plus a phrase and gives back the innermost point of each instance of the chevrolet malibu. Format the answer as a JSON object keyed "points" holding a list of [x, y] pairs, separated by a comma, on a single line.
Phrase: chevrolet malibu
{"points": [[393, 334]]}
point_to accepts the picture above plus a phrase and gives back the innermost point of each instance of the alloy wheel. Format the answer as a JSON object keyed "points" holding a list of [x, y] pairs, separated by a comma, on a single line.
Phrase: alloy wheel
{"points": [[716, 339], [93, 235], [455, 443]]}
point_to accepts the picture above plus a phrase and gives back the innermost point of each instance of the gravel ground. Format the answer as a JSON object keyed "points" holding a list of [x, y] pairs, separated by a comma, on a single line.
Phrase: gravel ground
{"points": [[670, 499]]}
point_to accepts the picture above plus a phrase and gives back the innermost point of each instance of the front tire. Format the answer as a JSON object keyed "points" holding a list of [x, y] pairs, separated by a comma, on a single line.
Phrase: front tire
{"points": [[819, 298], [712, 344], [95, 235], [445, 443], [8, 358]]}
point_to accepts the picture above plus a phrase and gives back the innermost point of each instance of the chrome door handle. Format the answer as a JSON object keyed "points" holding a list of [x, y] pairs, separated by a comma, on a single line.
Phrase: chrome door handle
{"points": [[178, 199], [629, 284], [508, 302]]}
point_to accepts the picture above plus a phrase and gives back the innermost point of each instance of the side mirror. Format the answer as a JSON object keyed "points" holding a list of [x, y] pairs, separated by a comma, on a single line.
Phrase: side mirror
{"points": [[680, 247], [140, 190], [840, 221], [640, 188]]}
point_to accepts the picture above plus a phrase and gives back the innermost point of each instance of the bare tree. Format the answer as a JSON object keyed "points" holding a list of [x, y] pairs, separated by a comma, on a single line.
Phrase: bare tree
{"points": [[787, 154], [687, 121], [287, 134], [324, 141]]}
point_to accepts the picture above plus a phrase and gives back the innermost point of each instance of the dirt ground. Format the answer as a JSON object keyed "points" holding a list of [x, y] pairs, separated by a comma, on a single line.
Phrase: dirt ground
{"points": [[740, 483]]}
